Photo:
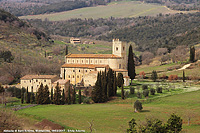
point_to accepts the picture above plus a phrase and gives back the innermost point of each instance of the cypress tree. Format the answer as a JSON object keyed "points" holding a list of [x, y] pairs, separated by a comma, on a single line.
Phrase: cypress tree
{"points": [[46, 99], [192, 54], [97, 91], [51, 95], [40, 95], [63, 97], [27, 96], [66, 50], [115, 84], [154, 76], [183, 76], [79, 98], [57, 95], [110, 79], [120, 83], [131, 64], [22, 95], [69, 96], [104, 87], [32, 96], [74, 96]]}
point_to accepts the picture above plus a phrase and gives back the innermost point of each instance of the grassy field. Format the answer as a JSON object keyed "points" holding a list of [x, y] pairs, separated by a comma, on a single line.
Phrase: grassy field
{"points": [[114, 115], [115, 9]]}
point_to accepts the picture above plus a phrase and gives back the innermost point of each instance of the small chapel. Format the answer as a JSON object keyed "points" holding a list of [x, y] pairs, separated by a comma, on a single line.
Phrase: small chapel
{"points": [[85, 67]]}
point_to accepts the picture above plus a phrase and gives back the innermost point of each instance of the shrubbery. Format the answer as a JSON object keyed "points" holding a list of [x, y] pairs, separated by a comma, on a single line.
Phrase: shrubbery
{"points": [[132, 90], [159, 89], [139, 95], [144, 87], [152, 91], [137, 106], [146, 93]]}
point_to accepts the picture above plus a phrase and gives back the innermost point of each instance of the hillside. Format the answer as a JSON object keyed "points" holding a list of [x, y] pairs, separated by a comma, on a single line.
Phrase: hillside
{"points": [[22, 49], [116, 9]]}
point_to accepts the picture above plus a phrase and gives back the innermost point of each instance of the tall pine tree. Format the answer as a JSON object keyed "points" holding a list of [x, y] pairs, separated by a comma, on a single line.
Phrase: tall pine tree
{"points": [[22, 95], [104, 87], [69, 96], [110, 80], [27, 96], [120, 83], [115, 84], [192, 54], [131, 64], [51, 95], [63, 97], [32, 98], [74, 96], [46, 99], [79, 96], [57, 95], [183, 76], [97, 91]]}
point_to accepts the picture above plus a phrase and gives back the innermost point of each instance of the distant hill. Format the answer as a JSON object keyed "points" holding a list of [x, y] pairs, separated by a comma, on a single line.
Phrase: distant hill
{"points": [[122, 9]]}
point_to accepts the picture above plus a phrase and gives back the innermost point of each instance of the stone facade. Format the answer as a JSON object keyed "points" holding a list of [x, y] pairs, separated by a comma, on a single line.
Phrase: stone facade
{"points": [[85, 67], [34, 81]]}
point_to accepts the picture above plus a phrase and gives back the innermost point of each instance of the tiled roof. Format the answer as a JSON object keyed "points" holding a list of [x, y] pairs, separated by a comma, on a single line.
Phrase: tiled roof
{"points": [[39, 77], [92, 56], [61, 81], [84, 66], [120, 70]]}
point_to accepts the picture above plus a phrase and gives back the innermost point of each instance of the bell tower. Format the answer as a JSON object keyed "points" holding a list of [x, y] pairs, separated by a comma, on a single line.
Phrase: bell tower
{"points": [[119, 48]]}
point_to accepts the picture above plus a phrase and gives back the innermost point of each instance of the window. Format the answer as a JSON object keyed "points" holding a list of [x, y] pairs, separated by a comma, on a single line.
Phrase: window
{"points": [[30, 81], [68, 60], [123, 48], [69, 76], [116, 48], [45, 80], [91, 61], [73, 70], [73, 76], [36, 80], [96, 61], [90, 70], [85, 70], [24, 81], [100, 61], [79, 70], [77, 76], [119, 66], [73, 61], [77, 61], [86, 61], [82, 61]]}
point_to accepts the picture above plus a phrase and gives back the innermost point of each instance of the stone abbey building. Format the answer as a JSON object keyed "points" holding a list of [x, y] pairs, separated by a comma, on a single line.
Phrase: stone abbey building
{"points": [[85, 67]]}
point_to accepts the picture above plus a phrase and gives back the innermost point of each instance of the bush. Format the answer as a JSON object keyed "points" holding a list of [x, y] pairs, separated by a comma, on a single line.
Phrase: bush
{"points": [[159, 89], [173, 77], [144, 87], [139, 95], [174, 124], [138, 106], [146, 93], [15, 92], [87, 100], [132, 90], [152, 91], [126, 93]]}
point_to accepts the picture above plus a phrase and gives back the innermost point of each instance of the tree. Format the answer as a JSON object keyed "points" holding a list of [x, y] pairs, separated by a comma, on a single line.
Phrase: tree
{"points": [[69, 96], [40, 94], [27, 96], [79, 98], [52, 95], [115, 84], [22, 95], [131, 64], [132, 126], [46, 99], [138, 106], [2, 90], [104, 87], [183, 76], [110, 80], [57, 95], [154, 76], [97, 91], [66, 50], [174, 123], [32, 98], [74, 96], [120, 83], [63, 97], [192, 54]]}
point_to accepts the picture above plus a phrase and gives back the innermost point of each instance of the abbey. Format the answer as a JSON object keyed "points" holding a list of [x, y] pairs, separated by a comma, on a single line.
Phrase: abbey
{"points": [[85, 67]]}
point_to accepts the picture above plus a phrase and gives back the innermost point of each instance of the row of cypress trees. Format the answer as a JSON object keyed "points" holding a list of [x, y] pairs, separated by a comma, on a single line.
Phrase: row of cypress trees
{"points": [[42, 96]]}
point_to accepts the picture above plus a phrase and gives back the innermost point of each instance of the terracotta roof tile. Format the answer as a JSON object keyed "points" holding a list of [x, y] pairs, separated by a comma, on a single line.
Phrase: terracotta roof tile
{"points": [[92, 56], [39, 77], [84, 66], [61, 81]]}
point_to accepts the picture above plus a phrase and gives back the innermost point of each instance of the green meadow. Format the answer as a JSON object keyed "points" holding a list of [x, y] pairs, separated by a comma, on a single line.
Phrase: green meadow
{"points": [[114, 9], [115, 115]]}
